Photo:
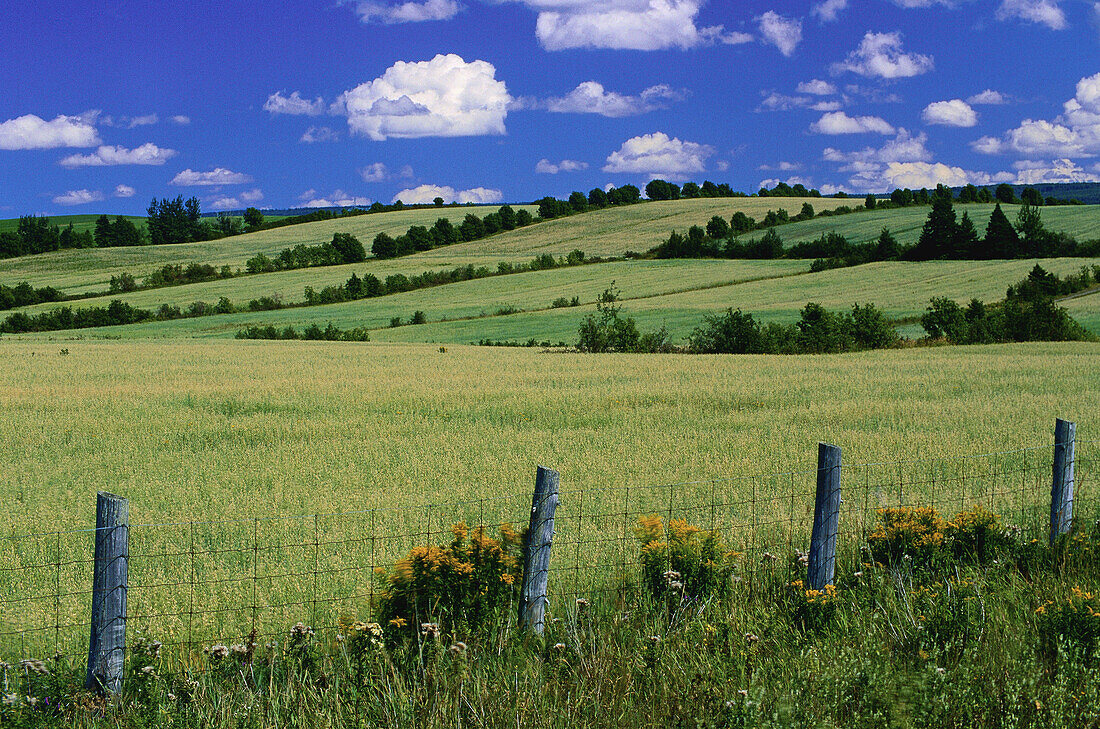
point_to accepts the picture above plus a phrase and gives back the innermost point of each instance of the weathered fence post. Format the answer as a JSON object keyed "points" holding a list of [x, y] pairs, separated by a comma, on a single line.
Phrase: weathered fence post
{"points": [[1061, 490], [536, 550], [107, 648], [822, 565]]}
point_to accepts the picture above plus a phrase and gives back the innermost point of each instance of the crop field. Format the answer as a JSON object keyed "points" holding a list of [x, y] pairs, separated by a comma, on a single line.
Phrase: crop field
{"points": [[676, 294], [1081, 221], [212, 432], [79, 271]]}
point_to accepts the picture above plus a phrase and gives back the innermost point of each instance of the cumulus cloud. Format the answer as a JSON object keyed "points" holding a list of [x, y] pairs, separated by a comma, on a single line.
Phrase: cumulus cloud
{"points": [[216, 176], [407, 12], [905, 147], [783, 33], [181, 120], [1033, 172], [829, 10], [546, 167], [1044, 12], [796, 180], [318, 134], [989, 96], [106, 156], [782, 102], [124, 191], [375, 172], [782, 167], [338, 199], [590, 97], [33, 132], [79, 197], [443, 97], [659, 155], [837, 122], [1074, 133], [223, 203], [425, 194], [953, 113], [294, 105], [882, 55], [817, 87], [640, 25], [251, 196]]}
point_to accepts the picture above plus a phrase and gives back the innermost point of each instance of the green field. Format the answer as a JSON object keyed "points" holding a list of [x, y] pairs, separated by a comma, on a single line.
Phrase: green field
{"points": [[89, 270]]}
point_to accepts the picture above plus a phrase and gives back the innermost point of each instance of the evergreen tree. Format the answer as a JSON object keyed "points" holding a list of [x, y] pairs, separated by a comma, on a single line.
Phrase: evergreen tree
{"points": [[966, 238], [1001, 240], [886, 248], [104, 232], [937, 237]]}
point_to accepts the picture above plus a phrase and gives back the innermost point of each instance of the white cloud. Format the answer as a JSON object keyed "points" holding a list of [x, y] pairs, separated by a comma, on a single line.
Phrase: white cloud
{"points": [[1032, 172], [782, 167], [796, 180], [1074, 133], [338, 199], [989, 96], [224, 203], [547, 167], [407, 12], [124, 191], [425, 194], [916, 175], [905, 147], [141, 121], [1044, 12], [953, 113], [443, 97], [590, 97], [33, 132], [783, 33], [829, 10], [817, 87], [79, 197], [375, 172], [251, 196], [294, 105], [881, 55], [318, 134], [106, 156], [837, 122], [640, 25], [216, 176], [658, 155], [181, 120], [782, 102]]}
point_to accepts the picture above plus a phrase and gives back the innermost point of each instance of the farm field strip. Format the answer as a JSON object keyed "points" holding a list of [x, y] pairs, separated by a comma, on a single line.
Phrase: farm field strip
{"points": [[651, 291]]}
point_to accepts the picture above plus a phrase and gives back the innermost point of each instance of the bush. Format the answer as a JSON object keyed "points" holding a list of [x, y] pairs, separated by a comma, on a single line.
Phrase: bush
{"points": [[1073, 622], [462, 584], [683, 561], [906, 533], [607, 331], [812, 609], [976, 535]]}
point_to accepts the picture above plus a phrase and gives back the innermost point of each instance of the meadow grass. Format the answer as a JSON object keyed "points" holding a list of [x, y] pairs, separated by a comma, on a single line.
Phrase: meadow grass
{"points": [[203, 437]]}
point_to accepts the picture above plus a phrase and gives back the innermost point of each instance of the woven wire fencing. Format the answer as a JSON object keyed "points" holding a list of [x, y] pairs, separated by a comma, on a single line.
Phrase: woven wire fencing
{"points": [[195, 584]]}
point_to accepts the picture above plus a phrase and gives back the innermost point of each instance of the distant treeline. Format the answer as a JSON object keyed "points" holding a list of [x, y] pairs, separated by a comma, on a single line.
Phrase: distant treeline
{"points": [[330, 333], [23, 294], [444, 233], [943, 236]]}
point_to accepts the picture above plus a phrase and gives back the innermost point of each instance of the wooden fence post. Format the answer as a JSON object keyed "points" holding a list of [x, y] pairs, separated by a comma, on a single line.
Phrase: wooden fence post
{"points": [[1061, 490], [536, 551], [822, 565], [107, 647]]}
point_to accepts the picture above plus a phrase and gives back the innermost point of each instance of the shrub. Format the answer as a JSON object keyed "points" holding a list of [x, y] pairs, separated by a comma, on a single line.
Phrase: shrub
{"points": [[418, 317], [914, 533], [684, 560], [462, 584], [812, 609], [976, 535], [1073, 622]]}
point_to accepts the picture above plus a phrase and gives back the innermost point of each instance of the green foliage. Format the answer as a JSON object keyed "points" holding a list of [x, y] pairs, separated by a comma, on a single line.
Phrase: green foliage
{"points": [[606, 330], [1072, 623], [314, 332]]}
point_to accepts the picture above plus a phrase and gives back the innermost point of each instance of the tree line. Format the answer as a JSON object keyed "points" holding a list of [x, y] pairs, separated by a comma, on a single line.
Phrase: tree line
{"points": [[444, 232]]}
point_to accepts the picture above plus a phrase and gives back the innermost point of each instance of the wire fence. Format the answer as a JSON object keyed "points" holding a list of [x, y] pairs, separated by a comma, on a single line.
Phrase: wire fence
{"points": [[199, 583]]}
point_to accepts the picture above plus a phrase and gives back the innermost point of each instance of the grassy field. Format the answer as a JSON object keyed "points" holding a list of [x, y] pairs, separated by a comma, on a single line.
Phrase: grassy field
{"points": [[214, 432], [676, 294], [1081, 221], [79, 271]]}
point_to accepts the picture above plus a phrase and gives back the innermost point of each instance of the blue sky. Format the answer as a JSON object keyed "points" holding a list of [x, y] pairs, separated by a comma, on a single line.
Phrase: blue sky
{"points": [[106, 105]]}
